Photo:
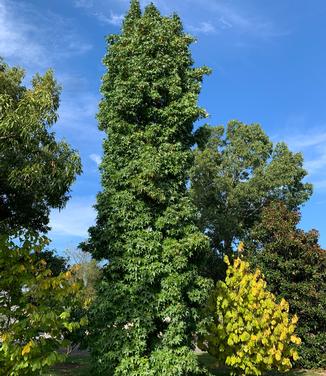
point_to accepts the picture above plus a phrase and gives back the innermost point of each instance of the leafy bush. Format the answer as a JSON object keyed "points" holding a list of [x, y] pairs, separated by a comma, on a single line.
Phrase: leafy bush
{"points": [[251, 333], [34, 314]]}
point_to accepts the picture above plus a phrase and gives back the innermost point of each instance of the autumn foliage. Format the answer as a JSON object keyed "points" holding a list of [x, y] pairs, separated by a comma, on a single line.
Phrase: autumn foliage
{"points": [[294, 265], [251, 333], [35, 308]]}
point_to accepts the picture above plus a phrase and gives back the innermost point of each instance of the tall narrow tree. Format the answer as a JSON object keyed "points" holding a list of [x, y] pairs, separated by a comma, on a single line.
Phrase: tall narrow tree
{"points": [[148, 302]]}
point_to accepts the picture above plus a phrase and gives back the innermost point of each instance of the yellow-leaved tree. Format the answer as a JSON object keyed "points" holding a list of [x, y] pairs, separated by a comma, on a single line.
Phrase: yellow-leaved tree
{"points": [[251, 332]]}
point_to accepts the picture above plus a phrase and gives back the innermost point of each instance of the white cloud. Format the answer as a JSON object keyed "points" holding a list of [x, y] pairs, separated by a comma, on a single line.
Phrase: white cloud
{"points": [[36, 39], [313, 146], [307, 140], [98, 10], [203, 27], [96, 158], [112, 19], [72, 83], [224, 15], [77, 118], [317, 163], [14, 41], [75, 218], [224, 24], [82, 106], [243, 20]]}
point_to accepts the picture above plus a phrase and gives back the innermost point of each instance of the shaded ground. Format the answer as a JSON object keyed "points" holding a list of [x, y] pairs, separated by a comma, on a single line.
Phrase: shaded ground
{"points": [[78, 365]]}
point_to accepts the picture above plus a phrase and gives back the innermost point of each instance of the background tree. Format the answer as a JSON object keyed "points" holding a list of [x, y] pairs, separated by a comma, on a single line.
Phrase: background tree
{"points": [[251, 332], [295, 268], [147, 308], [57, 264], [86, 274], [236, 175], [36, 171]]}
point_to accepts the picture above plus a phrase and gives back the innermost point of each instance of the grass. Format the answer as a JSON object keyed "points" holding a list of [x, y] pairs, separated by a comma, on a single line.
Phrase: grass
{"points": [[78, 365]]}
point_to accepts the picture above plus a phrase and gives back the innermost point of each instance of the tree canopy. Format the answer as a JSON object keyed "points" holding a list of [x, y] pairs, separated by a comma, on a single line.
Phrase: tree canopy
{"points": [[173, 205], [295, 269], [36, 171], [237, 172], [147, 306]]}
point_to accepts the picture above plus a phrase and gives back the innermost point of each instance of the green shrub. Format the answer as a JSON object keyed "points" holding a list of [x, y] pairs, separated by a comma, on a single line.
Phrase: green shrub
{"points": [[34, 315]]}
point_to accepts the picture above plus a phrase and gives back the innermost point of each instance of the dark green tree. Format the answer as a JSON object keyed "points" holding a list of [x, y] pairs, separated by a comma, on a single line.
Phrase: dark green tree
{"points": [[237, 172], [36, 171], [57, 264], [147, 307], [294, 266]]}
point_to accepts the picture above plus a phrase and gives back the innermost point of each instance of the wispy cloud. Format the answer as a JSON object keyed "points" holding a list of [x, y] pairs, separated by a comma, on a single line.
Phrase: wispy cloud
{"points": [[224, 16], [96, 158], [84, 106], [231, 17], [84, 3], [112, 19], [320, 184], [224, 24], [14, 40], [313, 145], [75, 219], [106, 17], [35, 39], [317, 163], [307, 140], [203, 27], [71, 82], [77, 117]]}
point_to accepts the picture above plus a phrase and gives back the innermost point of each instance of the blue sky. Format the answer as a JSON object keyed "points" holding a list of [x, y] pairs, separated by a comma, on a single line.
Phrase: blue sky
{"points": [[269, 66]]}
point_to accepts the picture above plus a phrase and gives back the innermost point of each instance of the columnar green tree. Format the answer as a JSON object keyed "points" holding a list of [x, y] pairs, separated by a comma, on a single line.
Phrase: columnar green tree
{"points": [[147, 309]]}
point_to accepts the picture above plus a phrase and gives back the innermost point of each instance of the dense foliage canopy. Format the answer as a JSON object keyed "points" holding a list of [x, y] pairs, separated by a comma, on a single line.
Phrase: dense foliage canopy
{"points": [[35, 307], [237, 172], [295, 269], [147, 308], [173, 203], [37, 293], [251, 332], [36, 171]]}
